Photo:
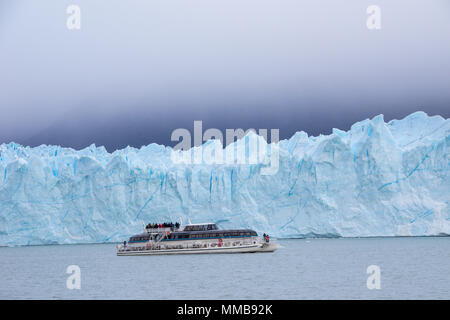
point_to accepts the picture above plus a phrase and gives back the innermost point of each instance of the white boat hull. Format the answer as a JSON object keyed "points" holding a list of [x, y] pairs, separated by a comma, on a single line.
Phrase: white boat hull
{"points": [[265, 247]]}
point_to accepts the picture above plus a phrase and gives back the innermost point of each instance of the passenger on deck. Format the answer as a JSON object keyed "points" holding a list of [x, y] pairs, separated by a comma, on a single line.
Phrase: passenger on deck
{"points": [[170, 225]]}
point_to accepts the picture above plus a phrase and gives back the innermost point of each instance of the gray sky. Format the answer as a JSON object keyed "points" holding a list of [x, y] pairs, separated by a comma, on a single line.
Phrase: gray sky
{"points": [[139, 69]]}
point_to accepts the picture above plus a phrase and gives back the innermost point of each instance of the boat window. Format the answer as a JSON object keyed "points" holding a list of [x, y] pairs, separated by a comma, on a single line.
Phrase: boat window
{"points": [[203, 227]]}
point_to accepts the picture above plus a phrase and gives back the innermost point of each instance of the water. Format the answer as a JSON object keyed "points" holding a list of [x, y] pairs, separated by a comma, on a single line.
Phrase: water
{"points": [[411, 268]]}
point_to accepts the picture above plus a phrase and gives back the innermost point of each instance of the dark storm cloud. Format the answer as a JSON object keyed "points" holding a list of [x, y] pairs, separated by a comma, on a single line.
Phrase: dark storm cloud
{"points": [[137, 70]]}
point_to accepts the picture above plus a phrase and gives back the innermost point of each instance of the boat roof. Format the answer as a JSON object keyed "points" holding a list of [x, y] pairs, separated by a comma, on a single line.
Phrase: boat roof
{"points": [[201, 232], [199, 224], [212, 231]]}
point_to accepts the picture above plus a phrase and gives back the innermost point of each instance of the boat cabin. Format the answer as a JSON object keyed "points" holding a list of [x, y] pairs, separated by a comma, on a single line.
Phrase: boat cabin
{"points": [[201, 227]]}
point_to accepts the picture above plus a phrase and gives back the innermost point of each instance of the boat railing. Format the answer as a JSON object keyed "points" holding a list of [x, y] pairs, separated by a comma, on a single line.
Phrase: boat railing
{"points": [[161, 237]]}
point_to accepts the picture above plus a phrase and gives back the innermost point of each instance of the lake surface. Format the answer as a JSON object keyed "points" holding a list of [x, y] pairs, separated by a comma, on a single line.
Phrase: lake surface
{"points": [[411, 268]]}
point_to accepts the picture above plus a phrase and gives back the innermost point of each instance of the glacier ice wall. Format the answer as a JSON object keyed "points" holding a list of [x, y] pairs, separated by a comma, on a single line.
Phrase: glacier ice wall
{"points": [[377, 179]]}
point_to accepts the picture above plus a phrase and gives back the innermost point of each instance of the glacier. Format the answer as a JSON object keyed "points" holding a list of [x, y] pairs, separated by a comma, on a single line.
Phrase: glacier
{"points": [[377, 179]]}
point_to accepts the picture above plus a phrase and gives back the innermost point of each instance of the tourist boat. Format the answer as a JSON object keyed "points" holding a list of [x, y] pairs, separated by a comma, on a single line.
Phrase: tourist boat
{"points": [[194, 238]]}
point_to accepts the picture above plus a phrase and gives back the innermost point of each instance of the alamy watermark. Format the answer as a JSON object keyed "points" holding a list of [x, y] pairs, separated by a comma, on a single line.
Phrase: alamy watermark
{"points": [[374, 279], [74, 19], [74, 280], [73, 22], [249, 148], [373, 21]]}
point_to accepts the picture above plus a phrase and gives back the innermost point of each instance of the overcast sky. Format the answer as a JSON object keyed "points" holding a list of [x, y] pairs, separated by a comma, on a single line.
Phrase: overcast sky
{"points": [[137, 70]]}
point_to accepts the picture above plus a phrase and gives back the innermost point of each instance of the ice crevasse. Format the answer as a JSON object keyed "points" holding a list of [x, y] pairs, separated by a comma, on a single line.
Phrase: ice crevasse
{"points": [[377, 179]]}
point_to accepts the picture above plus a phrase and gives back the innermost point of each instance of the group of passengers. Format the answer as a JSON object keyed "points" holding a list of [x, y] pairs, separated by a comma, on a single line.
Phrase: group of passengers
{"points": [[266, 237], [163, 225]]}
